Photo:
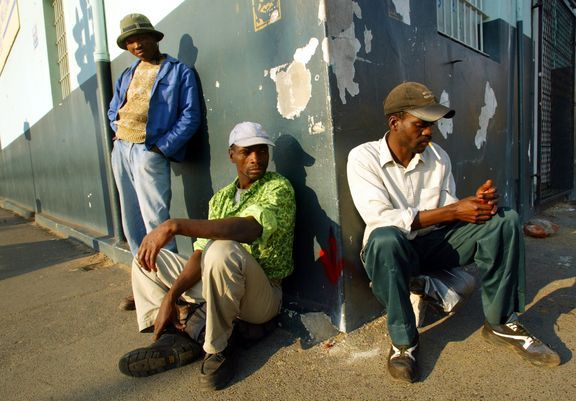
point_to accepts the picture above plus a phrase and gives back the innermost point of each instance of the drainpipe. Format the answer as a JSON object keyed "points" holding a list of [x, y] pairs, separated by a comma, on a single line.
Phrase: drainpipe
{"points": [[104, 79], [522, 140]]}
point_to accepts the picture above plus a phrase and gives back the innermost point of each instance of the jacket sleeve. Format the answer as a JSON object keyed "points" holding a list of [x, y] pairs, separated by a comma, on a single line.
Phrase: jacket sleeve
{"points": [[189, 115], [115, 102]]}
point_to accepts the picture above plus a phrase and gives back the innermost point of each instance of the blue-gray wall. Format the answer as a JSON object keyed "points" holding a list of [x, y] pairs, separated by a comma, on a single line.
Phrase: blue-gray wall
{"points": [[57, 167]]}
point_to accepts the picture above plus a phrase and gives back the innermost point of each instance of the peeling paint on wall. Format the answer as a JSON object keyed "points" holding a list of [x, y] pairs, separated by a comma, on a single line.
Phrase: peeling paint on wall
{"points": [[402, 10], [321, 12], [294, 82], [445, 125], [367, 40], [486, 113], [318, 325], [315, 127], [340, 47]]}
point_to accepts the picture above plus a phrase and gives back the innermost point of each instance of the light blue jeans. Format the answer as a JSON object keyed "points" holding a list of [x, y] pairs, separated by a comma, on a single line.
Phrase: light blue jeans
{"points": [[143, 181]]}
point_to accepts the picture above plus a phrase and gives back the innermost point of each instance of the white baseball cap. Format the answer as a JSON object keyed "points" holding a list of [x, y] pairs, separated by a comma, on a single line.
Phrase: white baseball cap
{"points": [[249, 134]]}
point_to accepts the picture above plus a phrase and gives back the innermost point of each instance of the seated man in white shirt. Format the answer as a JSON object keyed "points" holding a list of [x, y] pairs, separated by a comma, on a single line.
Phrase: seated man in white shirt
{"points": [[403, 188]]}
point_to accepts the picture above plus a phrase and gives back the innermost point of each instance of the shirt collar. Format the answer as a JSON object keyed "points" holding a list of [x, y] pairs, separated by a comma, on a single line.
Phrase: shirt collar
{"points": [[386, 156]]}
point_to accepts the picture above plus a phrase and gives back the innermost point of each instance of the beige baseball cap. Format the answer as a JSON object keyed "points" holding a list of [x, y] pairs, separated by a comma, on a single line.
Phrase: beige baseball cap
{"points": [[418, 100]]}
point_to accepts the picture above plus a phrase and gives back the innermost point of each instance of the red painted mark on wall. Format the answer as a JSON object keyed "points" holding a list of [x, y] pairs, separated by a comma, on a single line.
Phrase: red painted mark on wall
{"points": [[331, 260]]}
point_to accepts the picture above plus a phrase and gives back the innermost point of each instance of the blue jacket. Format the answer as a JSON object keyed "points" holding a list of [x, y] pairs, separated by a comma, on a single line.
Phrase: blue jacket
{"points": [[174, 114]]}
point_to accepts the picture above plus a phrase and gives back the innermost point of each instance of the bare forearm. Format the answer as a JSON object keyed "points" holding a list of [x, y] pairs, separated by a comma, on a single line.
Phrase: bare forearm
{"points": [[427, 218], [241, 229], [469, 210]]}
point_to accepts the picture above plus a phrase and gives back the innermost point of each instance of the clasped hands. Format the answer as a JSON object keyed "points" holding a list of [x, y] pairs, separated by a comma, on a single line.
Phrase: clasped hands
{"points": [[481, 207]]}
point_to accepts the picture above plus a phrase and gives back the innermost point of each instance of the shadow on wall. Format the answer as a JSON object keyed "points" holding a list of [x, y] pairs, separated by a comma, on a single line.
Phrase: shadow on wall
{"points": [[84, 56], [195, 171], [84, 53], [28, 135], [313, 285]]}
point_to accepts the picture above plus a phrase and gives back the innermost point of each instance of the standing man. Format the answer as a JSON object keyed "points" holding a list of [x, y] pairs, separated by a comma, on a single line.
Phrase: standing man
{"points": [[243, 252], [154, 113], [403, 188]]}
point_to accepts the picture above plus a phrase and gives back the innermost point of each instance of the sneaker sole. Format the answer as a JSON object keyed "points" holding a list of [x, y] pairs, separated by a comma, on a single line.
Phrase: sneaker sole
{"points": [[146, 362], [403, 378], [494, 339]]}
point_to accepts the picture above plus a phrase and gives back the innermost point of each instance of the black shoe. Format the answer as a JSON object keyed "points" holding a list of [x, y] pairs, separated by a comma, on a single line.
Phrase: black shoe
{"points": [[127, 303], [246, 334], [171, 350], [402, 362], [516, 337], [217, 370]]}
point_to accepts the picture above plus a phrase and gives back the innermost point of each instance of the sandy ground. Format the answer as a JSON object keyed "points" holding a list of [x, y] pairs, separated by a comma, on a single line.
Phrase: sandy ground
{"points": [[61, 336]]}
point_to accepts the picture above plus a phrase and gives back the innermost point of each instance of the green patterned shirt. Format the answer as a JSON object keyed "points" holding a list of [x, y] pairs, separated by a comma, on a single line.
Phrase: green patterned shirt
{"points": [[270, 201]]}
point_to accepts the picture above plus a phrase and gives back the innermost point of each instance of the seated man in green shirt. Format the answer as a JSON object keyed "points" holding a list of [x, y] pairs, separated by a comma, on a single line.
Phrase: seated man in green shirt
{"points": [[242, 253]]}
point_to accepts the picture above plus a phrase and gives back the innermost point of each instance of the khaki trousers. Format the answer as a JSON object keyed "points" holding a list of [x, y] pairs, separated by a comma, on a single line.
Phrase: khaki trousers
{"points": [[233, 286]]}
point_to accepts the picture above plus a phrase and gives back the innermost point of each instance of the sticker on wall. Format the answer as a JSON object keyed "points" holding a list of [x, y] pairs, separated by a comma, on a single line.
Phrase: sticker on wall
{"points": [[486, 113], [265, 13]]}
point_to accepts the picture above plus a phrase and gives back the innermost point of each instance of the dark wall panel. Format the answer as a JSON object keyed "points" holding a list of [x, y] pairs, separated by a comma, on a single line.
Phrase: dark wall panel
{"points": [[416, 52]]}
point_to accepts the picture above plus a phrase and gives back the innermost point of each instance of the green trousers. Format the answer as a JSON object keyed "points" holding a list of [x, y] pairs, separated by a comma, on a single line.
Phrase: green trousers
{"points": [[497, 248]]}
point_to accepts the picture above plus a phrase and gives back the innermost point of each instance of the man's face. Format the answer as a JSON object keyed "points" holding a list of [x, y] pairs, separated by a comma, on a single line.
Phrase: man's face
{"points": [[144, 46], [414, 134], [251, 162]]}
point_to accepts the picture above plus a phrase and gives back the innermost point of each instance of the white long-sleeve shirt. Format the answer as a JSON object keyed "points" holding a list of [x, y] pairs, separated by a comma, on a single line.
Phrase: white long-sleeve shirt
{"points": [[386, 193]]}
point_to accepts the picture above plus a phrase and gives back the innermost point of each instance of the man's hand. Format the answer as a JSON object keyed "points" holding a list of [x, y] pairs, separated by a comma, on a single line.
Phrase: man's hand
{"points": [[476, 209], [473, 210], [167, 315], [488, 194], [151, 245]]}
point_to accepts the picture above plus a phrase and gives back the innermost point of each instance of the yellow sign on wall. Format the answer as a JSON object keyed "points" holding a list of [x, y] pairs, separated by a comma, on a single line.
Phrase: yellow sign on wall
{"points": [[265, 12], [9, 27]]}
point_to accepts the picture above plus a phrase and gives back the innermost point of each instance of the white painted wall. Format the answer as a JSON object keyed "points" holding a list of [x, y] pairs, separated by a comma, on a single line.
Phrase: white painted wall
{"points": [[25, 93], [115, 10], [25, 90], [79, 41]]}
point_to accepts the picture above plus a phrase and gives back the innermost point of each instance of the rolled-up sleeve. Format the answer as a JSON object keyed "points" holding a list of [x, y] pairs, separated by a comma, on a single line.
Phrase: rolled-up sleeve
{"points": [[448, 192], [264, 217]]}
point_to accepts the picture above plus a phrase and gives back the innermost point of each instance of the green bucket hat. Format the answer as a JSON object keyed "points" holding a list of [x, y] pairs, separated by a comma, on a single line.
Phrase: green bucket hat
{"points": [[133, 24]]}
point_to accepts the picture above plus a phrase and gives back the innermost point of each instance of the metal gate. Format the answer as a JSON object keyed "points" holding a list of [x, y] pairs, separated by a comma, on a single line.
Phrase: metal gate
{"points": [[555, 149]]}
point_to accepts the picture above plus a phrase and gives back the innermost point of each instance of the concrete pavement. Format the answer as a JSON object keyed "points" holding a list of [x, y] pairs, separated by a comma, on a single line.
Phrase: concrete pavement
{"points": [[61, 336]]}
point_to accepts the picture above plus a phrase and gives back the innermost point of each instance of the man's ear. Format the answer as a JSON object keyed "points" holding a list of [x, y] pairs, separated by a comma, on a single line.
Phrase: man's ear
{"points": [[230, 153], [393, 121]]}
